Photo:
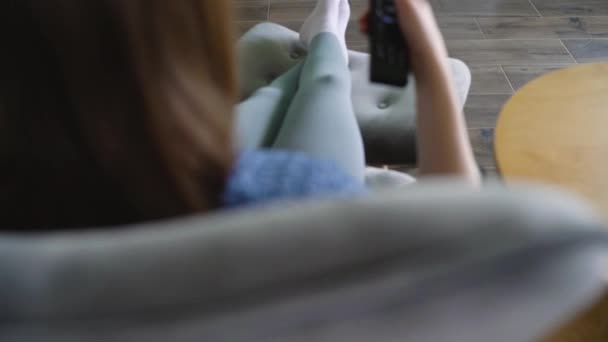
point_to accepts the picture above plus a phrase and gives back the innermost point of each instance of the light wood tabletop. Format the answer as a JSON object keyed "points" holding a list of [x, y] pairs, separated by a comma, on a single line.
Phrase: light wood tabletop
{"points": [[555, 130]]}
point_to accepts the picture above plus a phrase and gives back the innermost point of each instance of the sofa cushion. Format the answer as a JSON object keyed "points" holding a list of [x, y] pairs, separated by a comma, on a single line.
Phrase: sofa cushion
{"points": [[377, 179]]}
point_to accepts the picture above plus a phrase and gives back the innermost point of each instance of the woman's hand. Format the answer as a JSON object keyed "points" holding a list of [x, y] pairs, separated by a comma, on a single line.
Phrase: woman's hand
{"points": [[421, 32]]}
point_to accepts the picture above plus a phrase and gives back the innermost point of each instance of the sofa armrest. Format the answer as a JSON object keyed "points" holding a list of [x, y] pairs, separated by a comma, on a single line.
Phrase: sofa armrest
{"points": [[435, 263]]}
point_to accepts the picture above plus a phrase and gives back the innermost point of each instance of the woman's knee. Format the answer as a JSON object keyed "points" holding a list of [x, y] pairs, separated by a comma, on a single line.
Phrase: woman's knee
{"points": [[330, 79]]}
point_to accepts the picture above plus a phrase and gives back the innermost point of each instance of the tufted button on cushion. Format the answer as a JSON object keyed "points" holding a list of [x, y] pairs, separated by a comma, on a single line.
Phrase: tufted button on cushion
{"points": [[383, 105], [386, 115]]}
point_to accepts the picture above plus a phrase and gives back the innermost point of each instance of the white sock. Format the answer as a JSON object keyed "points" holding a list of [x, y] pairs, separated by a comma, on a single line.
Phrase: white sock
{"points": [[330, 16], [344, 15]]}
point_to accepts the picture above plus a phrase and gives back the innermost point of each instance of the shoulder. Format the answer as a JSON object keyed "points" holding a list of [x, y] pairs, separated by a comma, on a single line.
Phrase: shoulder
{"points": [[261, 176]]}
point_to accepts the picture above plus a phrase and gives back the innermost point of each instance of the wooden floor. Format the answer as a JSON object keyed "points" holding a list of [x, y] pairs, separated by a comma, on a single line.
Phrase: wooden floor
{"points": [[505, 42]]}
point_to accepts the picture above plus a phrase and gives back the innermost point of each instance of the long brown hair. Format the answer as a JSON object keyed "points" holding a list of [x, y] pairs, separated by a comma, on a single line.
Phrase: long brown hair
{"points": [[113, 111]]}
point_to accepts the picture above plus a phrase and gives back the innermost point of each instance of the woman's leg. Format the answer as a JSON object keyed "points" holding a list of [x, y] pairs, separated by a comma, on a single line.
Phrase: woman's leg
{"points": [[259, 118], [320, 120]]}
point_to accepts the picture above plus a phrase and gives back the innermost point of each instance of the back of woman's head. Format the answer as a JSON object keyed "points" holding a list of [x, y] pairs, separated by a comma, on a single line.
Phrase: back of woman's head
{"points": [[113, 111]]}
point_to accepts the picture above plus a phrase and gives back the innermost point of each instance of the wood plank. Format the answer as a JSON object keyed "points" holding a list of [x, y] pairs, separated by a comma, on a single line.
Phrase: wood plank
{"points": [[244, 26], [597, 26], [588, 50], [285, 10], [510, 52], [482, 111], [353, 35], [459, 28], [290, 10], [251, 10], [520, 75], [479, 8], [452, 28], [483, 146], [489, 79], [571, 7], [546, 27], [358, 8], [491, 174]]}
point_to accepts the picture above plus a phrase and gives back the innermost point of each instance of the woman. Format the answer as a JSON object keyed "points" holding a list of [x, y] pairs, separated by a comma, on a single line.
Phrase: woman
{"points": [[114, 112]]}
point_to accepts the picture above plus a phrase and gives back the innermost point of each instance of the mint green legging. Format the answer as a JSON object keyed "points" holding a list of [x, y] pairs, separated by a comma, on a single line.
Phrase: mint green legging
{"points": [[308, 109]]}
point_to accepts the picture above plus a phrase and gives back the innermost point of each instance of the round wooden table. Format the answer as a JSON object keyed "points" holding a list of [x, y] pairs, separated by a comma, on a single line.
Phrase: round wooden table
{"points": [[555, 130]]}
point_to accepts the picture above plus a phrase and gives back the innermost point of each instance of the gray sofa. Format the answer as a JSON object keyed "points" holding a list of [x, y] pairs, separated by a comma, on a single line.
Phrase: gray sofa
{"points": [[436, 263], [386, 114]]}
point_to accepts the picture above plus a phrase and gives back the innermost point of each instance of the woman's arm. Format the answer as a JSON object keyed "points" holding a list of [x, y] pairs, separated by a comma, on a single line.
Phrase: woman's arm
{"points": [[444, 147]]}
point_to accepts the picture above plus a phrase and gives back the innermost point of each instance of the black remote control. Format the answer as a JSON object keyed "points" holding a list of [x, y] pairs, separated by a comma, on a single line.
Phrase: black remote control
{"points": [[389, 52]]}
